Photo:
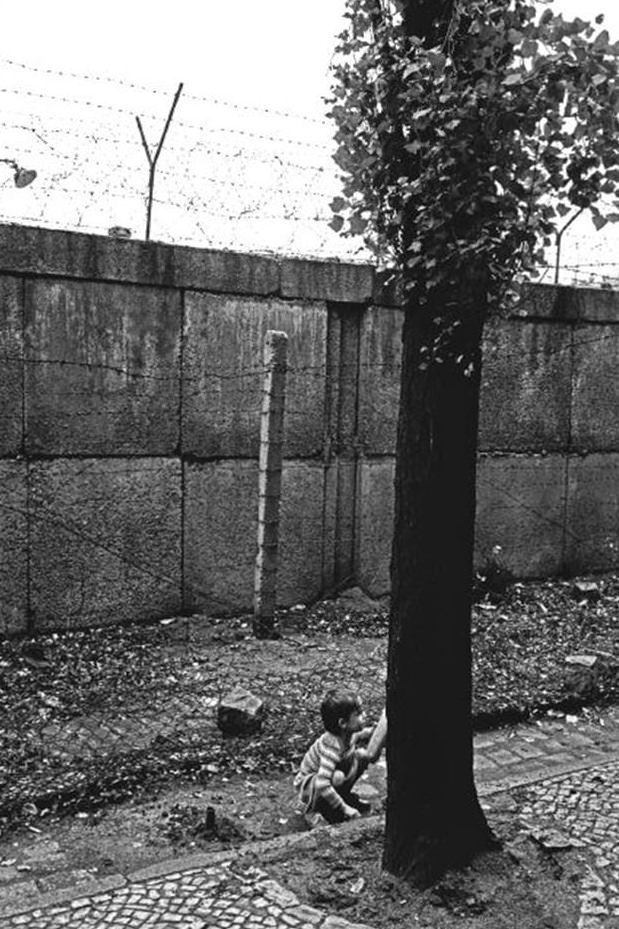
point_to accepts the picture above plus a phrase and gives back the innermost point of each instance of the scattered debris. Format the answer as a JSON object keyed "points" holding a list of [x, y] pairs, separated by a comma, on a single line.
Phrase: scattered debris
{"points": [[355, 599]]}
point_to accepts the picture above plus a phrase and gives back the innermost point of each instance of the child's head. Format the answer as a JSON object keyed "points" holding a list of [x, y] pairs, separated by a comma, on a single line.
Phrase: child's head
{"points": [[341, 711]]}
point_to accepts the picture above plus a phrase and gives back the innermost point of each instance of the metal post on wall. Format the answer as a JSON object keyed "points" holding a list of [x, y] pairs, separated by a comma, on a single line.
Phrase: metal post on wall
{"points": [[152, 159], [269, 482]]}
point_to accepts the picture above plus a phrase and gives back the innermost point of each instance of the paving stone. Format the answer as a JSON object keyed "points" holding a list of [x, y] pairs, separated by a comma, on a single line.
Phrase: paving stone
{"points": [[502, 756]]}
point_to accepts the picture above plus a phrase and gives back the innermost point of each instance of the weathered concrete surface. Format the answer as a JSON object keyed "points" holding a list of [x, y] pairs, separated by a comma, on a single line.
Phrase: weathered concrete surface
{"points": [[320, 280], [25, 249], [525, 387], [301, 532], [376, 500], [592, 533], [223, 374], [595, 391], [221, 520], [102, 369], [379, 379], [11, 366], [13, 547], [593, 304], [521, 508], [105, 541]]}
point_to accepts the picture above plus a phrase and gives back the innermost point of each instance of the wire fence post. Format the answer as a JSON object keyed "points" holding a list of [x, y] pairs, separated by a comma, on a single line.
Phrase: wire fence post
{"points": [[152, 159], [269, 482]]}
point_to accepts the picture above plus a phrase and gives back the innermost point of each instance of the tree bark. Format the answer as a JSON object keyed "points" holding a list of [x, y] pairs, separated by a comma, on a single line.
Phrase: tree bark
{"points": [[427, 19], [434, 820]]}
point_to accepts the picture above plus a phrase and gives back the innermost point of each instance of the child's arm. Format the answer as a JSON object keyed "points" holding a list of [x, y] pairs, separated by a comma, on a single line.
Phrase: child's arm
{"points": [[378, 738]]}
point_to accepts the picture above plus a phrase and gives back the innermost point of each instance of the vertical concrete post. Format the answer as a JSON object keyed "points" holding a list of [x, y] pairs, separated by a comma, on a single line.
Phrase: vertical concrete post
{"points": [[269, 482]]}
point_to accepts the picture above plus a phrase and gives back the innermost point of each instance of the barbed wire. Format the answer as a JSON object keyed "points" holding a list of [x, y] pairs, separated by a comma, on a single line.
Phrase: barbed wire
{"points": [[232, 176], [230, 163], [143, 87]]}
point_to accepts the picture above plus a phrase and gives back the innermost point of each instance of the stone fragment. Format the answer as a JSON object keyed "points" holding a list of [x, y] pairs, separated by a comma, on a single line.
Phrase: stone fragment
{"points": [[584, 661], [586, 590], [551, 839], [240, 713], [588, 672]]}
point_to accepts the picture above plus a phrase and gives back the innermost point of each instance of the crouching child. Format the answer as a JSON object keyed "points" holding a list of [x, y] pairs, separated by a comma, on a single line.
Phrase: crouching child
{"points": [[335, 761]]}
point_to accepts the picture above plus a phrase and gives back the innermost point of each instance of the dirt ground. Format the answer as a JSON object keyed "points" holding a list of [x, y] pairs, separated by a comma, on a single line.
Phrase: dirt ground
{"points": [[521, 887]]}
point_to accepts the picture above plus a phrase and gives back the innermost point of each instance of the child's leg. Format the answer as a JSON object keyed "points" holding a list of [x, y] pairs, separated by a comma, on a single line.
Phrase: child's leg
{"points": [[331, 814]]}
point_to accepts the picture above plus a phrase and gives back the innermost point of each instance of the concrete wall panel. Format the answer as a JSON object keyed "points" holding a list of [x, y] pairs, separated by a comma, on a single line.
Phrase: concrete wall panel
{"points": [[55, 252], [221, 520], [223, 374], [11, 362], [525, 387], [105, 541], [595, 391], [379, 379], [301, 533], [592, 535], [319, 280], [376, 501], [102, 372], [521, 510], [13, 547]]}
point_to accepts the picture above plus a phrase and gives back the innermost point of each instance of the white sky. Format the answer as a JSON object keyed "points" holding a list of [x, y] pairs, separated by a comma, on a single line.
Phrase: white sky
{"points": [[268, 54]]}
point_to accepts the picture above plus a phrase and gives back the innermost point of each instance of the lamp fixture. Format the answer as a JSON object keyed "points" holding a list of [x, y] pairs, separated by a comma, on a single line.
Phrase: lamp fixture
{"points": [[22, 177]]}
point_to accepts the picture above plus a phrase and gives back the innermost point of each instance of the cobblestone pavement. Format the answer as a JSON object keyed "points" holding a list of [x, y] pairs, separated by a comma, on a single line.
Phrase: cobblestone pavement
{"points": [[567, 770], [194, 898], [584, 808]]}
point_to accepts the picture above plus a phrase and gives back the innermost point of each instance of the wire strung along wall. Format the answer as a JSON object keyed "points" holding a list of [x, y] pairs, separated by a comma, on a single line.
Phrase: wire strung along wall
{"points": [[228, 176]]}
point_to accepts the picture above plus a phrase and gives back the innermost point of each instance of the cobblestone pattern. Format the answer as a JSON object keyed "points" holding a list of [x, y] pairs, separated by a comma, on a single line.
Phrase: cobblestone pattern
{"points": [[193, 899], [584, 806], [528, 752], [93, 736]]}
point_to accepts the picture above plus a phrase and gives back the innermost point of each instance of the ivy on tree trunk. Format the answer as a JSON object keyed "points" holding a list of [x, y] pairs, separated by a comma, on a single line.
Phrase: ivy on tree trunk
{"points": [[467, 132]]}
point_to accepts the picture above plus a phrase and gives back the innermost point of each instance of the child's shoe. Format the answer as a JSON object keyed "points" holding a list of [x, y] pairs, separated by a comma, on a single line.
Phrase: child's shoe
{"points": [[354, 800]]}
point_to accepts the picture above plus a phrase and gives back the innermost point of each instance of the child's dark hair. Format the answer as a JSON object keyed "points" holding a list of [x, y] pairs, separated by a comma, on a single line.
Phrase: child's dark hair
{"points": [[336, 705]]}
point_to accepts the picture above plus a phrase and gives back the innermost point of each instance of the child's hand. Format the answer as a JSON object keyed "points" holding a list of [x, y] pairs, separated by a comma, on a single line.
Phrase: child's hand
{"points": [[363, 735], [338, 778], [363, 754], [351, 813]]}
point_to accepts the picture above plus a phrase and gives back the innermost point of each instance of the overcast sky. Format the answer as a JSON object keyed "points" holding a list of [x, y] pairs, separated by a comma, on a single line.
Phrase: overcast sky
{"points": [[273, 52]]}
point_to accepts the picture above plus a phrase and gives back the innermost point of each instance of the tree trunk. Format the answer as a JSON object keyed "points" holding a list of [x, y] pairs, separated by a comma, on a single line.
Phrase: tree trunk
{"points": [[434, 820]]}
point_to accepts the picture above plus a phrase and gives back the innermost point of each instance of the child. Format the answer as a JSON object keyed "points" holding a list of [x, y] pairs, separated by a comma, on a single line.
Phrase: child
{"points": [[334, 762]]}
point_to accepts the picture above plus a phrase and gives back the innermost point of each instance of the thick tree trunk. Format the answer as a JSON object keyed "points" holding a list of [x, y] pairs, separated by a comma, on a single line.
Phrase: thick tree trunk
{"points": [[434, 820]]}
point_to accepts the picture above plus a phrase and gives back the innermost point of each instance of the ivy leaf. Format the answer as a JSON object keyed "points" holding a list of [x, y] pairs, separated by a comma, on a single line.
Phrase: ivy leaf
{"points": [[357, 225], [601, 40], [599, 221], [336, 223]]}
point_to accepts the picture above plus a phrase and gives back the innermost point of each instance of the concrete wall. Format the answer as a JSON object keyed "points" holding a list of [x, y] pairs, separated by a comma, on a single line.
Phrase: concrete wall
{"points": [[129, 425]]}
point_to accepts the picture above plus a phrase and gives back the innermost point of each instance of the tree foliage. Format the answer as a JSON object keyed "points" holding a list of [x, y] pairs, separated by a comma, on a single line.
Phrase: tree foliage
{"points": [[473, 153]]}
